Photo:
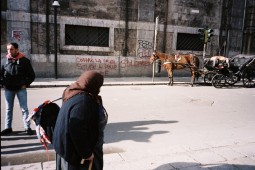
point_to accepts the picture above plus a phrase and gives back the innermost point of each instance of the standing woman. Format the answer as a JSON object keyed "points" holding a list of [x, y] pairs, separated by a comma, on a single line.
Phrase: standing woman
{"points": [[78, 134]]}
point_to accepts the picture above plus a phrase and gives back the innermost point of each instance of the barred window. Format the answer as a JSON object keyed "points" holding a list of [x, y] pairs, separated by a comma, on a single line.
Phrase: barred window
{"points": [[86, 36], [190, 42]]}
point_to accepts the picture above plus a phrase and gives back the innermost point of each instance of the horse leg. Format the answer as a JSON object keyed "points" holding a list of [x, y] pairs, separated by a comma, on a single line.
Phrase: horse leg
{"points": [[172, 80], [170, 76], [169, 81], [192, 77]]}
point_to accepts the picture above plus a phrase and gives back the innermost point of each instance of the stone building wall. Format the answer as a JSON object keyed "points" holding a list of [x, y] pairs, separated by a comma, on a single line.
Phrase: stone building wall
{"points": [[34, 26]]}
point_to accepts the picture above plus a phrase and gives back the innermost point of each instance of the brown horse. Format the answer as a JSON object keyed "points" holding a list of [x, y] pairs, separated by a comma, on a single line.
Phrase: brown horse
{"points": [[170, 63]]}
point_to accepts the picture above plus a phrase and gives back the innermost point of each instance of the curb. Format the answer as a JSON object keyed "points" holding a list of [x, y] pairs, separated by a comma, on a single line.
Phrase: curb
{"points": [[115, 84], [106, 84], [28, 158], [123, 81]]}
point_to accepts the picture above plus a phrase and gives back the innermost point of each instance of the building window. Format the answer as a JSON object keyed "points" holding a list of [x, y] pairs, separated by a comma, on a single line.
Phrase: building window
{"points": [[77, 35], [190, 42]]}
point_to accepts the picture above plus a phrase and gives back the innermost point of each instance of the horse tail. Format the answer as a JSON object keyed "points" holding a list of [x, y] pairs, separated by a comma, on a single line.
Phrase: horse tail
{"points": [[198, 73], [195, 61]]}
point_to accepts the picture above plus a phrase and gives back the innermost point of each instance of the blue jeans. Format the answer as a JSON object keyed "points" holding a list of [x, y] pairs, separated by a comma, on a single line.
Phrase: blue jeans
{"points": [[9, 101]]}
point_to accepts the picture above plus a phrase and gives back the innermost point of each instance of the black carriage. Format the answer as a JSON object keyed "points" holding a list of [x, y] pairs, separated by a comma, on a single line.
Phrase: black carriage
{"points": [[212, 67], [241, 67]]}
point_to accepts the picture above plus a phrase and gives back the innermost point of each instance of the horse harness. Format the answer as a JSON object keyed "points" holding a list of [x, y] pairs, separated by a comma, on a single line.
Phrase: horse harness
{"points": [[176, 62], [169, 62]]}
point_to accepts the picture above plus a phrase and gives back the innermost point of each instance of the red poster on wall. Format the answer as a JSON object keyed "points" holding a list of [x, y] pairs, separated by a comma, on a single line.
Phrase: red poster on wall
{"points": [[16, 34]]}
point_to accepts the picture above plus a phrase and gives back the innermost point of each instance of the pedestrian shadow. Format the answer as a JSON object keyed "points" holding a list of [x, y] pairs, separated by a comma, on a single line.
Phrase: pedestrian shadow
{"points": [[20, 142], [190, 165], [135, 130], [17, 135], [21, 148]]}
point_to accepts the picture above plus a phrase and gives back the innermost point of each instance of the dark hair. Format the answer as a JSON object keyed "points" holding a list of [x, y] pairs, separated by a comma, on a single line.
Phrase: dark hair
{"points": [[15, 45]]}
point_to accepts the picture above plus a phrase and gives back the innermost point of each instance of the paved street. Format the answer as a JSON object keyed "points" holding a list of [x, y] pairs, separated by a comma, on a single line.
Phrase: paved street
{"points": [[156, 127]]}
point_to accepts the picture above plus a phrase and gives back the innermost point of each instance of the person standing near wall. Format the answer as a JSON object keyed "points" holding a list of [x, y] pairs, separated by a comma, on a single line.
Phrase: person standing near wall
{"points": [[16, 75], [79, 130]]}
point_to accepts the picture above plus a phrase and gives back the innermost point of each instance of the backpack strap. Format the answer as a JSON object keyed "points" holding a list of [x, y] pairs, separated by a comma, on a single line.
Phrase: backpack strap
{"points": [[56, 99]]}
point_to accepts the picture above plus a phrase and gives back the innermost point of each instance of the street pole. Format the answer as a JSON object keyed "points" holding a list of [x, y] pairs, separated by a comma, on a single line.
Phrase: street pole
{"points": [[155, 45], [55, 5], [206, 38], [203, 56]]}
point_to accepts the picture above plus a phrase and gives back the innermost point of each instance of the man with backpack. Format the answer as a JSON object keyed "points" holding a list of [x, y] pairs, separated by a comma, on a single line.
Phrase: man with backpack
{"points": [[16, 75]]}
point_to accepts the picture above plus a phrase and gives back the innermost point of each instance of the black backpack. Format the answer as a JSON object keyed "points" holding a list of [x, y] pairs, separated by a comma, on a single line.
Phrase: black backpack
{"points": [[45, 117], [49, 114]]}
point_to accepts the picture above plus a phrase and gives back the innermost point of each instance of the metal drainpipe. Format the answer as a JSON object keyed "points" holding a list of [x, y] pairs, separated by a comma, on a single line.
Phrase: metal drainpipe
{"points": [[244, 18], [229, 26], [55, 43], [126, 30], [220, 39], [47, 28], [165, 27]]}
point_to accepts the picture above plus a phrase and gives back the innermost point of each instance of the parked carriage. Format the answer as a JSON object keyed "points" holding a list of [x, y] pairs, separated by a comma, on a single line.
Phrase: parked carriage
{"points": [[212, 66], [241, 67]]}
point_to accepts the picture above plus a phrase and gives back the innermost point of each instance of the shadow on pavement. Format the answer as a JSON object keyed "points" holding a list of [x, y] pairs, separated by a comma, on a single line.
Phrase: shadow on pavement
{"points": [[135, 130], [17, 135], [19, 142], [23, 148], [190, 165]]}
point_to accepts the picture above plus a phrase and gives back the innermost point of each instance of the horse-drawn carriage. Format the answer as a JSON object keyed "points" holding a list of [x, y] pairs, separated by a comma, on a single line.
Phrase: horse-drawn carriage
{"points": [[212, 66], [240, 67], [218, 70]]}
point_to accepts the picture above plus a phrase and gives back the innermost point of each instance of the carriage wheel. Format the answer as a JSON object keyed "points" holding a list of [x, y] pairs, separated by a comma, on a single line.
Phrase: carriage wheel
{"points": [[248, 77], [231, 79], [218, 81], [208, 77]]}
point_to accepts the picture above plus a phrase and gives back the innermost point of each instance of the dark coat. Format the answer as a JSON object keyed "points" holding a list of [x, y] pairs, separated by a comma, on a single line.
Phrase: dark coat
{"points": [[77, 128], [14, 74]]}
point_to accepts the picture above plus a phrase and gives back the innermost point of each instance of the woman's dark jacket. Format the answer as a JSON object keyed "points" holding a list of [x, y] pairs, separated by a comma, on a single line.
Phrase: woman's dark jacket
{"points": [[15, 73], [76, 130]]}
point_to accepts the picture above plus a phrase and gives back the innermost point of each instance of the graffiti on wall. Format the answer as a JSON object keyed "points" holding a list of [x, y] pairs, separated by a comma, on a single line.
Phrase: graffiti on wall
{"points": [[102, 65], [106, 66], [145, 48], [125, 63]]}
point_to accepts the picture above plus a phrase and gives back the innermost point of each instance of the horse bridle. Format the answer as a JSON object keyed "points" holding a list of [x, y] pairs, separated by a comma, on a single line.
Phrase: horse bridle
{"points": [[155, 56]]}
